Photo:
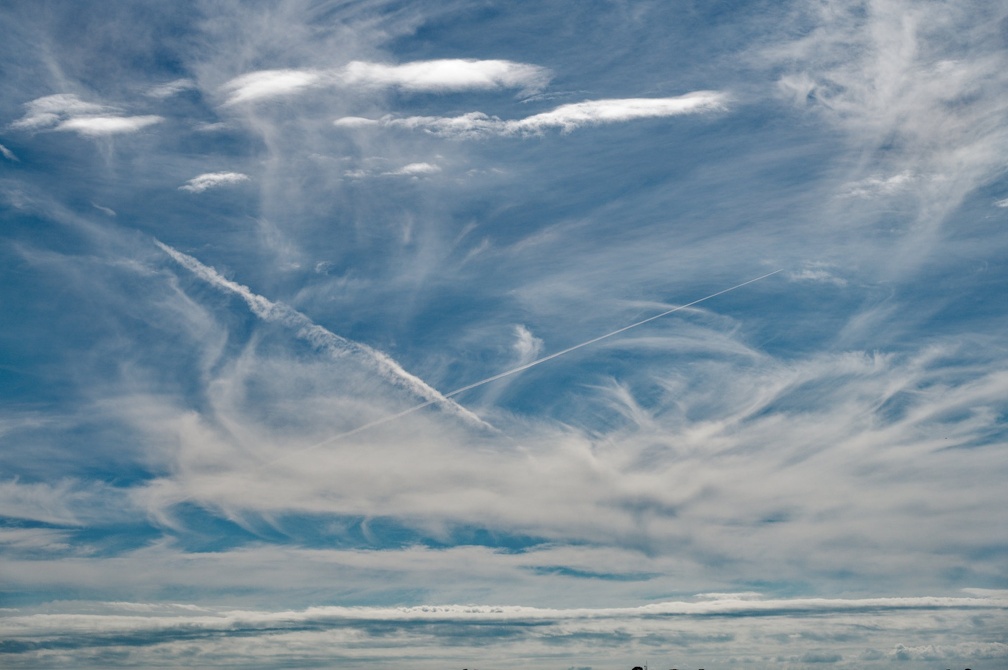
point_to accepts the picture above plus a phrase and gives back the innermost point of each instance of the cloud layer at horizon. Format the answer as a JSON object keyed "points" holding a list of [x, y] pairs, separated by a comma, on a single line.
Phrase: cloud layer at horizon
{"points": [[260, 288]]}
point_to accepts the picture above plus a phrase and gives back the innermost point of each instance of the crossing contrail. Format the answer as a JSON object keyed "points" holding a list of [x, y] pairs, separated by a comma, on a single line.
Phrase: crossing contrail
{"points": [[521, 368]]}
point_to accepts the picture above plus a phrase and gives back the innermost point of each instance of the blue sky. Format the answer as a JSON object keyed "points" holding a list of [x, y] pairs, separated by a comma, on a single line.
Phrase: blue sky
{"points": [[249, 252]]}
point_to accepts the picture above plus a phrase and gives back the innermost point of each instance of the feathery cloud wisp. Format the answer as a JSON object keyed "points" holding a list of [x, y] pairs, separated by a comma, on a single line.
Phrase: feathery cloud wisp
{"points": [[209, 180], [67, 112], [8, 154], [565, 118]]}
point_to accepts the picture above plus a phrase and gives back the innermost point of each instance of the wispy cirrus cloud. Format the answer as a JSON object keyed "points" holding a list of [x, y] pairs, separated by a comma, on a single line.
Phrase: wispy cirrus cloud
{"points": [[67, 112], [8, 154], [210, 180], [565, 118], [171, 88], [435, 76], [318, 336]]}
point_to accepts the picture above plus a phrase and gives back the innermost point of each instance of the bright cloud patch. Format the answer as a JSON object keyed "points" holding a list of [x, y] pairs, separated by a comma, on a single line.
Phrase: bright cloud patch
{"points": [[267, 84], [7, 153], [67, 112], [565, 118], [213, 180], [108, 125], [442, 75], [414, 170], [454, 74]]}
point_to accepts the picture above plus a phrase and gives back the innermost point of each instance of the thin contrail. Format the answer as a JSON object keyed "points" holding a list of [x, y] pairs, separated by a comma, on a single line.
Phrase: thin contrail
{"points": [[520, 368]]}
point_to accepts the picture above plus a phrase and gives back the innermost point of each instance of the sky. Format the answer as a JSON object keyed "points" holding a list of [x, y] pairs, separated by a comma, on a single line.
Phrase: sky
{"points": [[294, 296]]}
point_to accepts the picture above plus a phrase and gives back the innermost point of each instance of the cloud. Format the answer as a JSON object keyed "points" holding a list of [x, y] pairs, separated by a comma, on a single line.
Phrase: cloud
{"points": [[414, 170], [880, 186], [145, 633], [8, 154], [565, 118], [1002, 203], [213, 180], [266, 84], [454, 74], [67, 112], [527, 346], [319, 337], [95, 126], [435, 76], [171, 88]]}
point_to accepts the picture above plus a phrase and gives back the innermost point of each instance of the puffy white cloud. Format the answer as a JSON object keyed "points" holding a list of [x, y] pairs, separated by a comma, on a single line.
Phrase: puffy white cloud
{"points": [[210, 180], [565, 118]]}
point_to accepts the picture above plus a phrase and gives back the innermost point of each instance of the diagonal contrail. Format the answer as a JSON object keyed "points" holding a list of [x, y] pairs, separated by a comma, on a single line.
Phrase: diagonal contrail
{"points": [[520, 368]]}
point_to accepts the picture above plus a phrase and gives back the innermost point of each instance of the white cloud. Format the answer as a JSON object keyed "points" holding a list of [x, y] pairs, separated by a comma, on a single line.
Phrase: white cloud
{"points": [[453, 74], [266, 84], [1002, 203], [414, 170], [213, 180], [816, 272], [108, 125], [527, 346], [443, 75], [8, 154], [171, 88], [881, 186], [67, 112], [565, 118]]}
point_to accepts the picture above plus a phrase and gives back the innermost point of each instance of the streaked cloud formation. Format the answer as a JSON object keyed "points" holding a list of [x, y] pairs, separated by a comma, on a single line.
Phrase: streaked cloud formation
{"points": [[565, 118], [309, 361]]}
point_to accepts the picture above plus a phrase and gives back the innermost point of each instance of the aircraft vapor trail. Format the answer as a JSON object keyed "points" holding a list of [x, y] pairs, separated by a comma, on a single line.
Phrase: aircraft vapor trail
{"points": [[521, 368]]}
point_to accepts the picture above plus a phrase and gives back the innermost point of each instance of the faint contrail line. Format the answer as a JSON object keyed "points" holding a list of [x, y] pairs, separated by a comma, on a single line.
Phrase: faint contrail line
{"points": [[520, 368]]}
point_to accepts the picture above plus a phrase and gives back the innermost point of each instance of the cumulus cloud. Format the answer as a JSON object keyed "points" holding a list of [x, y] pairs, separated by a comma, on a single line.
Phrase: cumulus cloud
{"points": [[565, 118], [210, 180], [67, 112], [435, 76]]}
